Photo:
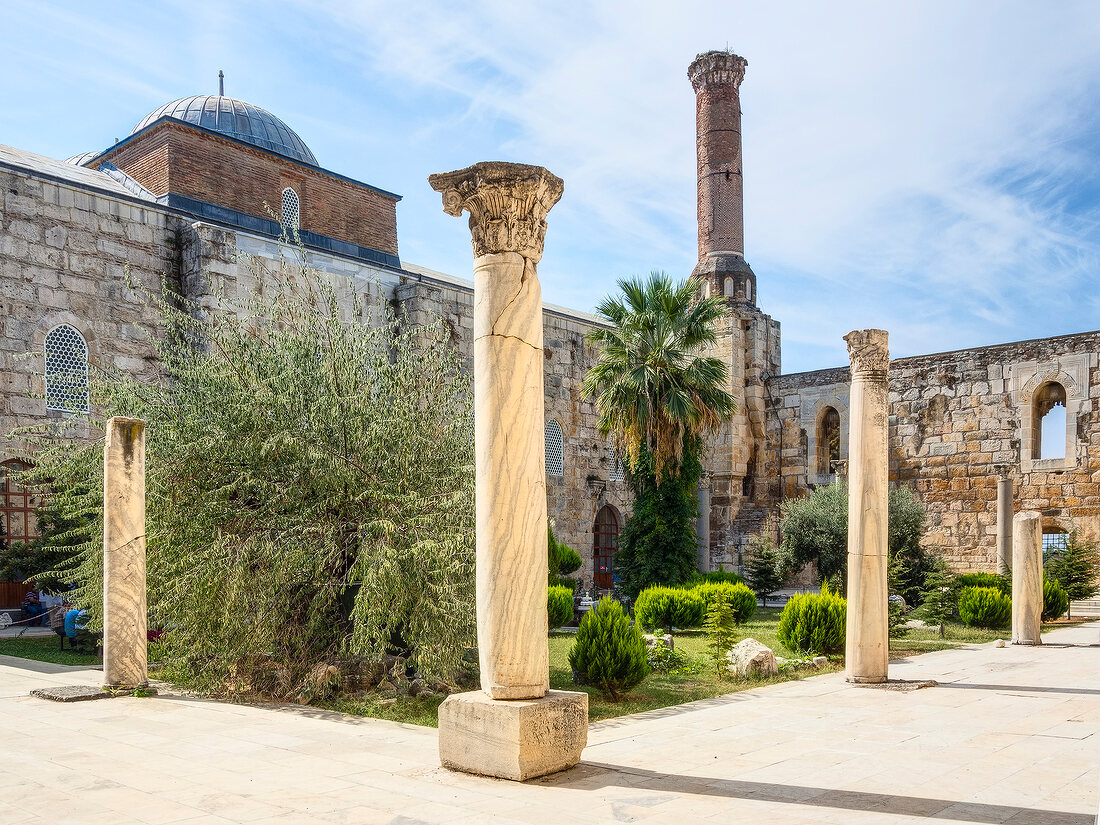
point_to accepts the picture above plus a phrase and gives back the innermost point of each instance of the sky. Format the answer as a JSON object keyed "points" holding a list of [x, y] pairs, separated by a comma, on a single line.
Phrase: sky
{"points": [[932, 169]]}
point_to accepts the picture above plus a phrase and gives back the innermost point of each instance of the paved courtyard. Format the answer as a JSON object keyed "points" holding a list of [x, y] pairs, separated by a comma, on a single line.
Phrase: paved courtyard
{"points": [[1010, 735]]}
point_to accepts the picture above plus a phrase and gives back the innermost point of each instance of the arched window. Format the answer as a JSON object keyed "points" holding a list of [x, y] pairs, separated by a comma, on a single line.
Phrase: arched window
{"points": [[17, 504], [605, 541], [291, 209], [616, 471], [1050, 410], [66, 370], [748, 290], [828, 441], [728, 287], [555, 449]]}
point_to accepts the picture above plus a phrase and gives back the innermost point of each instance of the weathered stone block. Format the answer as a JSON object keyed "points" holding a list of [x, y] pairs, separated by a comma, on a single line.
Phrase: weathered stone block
{"points": [[751, 658], [515, 739]]}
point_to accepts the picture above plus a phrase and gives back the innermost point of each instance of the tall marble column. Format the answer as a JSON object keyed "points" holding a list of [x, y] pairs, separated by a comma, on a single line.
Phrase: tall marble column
{"points": [[124, 608], [1004, 520], [1027, 579], [867, 646], [515, 727]]}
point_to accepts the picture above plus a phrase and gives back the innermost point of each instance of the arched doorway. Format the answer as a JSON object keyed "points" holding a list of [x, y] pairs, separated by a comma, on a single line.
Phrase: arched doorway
{"points": [[605, 541]]}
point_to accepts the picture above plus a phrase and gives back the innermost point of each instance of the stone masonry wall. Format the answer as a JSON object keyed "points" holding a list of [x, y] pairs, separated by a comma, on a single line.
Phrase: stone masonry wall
{"points": [[957, 419]]}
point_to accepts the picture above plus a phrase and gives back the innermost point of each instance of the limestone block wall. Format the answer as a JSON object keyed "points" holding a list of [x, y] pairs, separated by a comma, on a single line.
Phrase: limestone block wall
{"points": [[955, 419], [69, 256]]}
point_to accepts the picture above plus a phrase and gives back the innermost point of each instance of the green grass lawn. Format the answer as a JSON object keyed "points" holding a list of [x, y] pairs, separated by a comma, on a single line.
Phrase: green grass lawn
{"points": [[44, 649]]}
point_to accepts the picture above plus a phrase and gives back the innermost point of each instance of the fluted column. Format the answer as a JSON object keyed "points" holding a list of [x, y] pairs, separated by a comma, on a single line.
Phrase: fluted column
{"points": [[867, 648], [1027, 579], [515, 727], [124, 606]]}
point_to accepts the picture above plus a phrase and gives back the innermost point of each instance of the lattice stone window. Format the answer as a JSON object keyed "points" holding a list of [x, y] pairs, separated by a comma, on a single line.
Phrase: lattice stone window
{"points": [[616, 471], [66, 370], [555, 449], [291, 209]]}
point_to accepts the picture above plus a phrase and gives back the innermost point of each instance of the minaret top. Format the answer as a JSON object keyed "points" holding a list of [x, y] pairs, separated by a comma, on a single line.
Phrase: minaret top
{"points": [[711, 69]]}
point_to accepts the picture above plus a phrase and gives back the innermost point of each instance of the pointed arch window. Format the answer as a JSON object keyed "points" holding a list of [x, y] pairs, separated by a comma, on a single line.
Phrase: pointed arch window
{"points": [[291, 213], [555, 449], [66, 370]]}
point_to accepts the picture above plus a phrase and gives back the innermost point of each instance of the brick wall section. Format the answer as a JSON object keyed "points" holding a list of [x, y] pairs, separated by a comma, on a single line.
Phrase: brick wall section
{"points": [[173, 157], [954, 418], [65, 256], [573, 499]]}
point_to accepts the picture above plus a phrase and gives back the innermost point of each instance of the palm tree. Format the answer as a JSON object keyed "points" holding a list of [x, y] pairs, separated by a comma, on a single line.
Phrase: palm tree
{"points": [[655, 392]]}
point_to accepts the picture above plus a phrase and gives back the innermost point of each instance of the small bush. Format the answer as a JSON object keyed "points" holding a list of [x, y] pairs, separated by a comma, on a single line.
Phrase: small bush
{"points": [[669, 607], [559, 605], [814, 623], [1055, 600], [609, 653], [739, 597], [984, 607], [1000, 583], [726, 576], [665, 659]]}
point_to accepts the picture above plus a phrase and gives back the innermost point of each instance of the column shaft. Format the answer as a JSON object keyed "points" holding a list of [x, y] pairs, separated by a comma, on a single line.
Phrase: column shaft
{"points": [[511, 477], [124, 606], [867, 648], [1004, 524], [1027, 579]]}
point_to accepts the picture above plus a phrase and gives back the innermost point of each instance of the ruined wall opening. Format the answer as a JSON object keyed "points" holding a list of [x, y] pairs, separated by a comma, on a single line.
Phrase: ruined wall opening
{"points": [[1049, 437], [828, 441]]}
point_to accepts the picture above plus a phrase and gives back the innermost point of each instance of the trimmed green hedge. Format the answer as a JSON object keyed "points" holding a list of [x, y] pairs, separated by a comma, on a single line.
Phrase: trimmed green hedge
{"points": [[984, 580], [984, 607], [738, 596], [669, 607], [559, 605], [814, 623]]}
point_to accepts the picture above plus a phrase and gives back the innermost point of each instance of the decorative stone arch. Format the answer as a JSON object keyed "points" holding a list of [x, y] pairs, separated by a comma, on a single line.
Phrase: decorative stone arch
{"points": [[1028, 383], [816, 401]]}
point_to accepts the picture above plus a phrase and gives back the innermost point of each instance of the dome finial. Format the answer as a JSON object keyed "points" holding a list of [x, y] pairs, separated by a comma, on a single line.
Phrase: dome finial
{"points": [[221, 83]]}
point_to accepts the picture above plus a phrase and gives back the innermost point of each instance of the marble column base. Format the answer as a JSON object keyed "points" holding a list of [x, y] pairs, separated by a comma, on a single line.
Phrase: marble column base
{"points": [[516, 739], [866, 680]]}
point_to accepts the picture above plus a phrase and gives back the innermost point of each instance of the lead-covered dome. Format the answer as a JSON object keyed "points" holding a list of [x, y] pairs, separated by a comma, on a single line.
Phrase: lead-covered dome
{"points": [[236, 119]]}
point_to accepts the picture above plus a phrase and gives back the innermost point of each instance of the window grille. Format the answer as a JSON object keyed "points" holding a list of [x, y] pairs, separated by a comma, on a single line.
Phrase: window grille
{"points": [[617, 471], [555, 449], [66, 370], [291, 209], [1054, 543]]}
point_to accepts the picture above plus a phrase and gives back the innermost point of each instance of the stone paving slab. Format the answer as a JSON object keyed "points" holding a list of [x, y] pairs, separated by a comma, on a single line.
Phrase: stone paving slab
{"points": [[1010, 735]]}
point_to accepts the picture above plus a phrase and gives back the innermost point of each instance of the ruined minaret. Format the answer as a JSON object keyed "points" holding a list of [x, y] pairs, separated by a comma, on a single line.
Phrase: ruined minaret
{"points": [[749, 340]]}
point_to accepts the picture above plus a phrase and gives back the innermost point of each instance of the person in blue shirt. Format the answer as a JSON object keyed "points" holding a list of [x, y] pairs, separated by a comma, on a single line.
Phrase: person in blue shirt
{"points": [[83, 641]]}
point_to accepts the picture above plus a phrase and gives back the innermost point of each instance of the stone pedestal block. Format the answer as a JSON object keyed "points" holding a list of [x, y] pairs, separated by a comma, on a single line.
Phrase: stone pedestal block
{"points": [[124, 605], [513, 739], [1027, 579]]}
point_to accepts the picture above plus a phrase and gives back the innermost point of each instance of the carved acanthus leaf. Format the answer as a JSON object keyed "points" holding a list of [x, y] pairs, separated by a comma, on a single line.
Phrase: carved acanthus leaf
{"points": [[507, 202], [867, 349]]}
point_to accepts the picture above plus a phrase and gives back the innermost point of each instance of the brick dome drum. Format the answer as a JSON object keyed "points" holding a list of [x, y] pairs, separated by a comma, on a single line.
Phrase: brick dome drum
{"points": [[236, 119]]}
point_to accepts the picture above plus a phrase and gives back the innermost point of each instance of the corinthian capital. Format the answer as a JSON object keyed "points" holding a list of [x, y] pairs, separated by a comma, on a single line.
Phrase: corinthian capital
{"points": [[868, 352], [711, 69], [507, 202]]}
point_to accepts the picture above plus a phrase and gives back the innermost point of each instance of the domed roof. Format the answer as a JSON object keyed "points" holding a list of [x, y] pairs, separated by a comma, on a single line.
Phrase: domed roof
{"points": [[236, 119], [82, 158]]}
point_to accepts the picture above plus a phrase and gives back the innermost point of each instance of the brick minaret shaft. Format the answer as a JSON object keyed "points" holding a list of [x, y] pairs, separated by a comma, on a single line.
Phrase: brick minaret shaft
{"points": [[748, 340]]}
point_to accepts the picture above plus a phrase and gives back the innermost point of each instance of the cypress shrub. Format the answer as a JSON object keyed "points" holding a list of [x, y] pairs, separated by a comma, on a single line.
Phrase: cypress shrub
{"points": [[669, 607], [984, 607], [727, 576], [1055, 600], [739, 597], [814, 623], [1000, 583], [718, 624], [609, 653], [559, 605]]}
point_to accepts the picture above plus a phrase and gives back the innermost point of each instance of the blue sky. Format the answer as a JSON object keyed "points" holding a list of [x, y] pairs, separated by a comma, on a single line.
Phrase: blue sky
{"points": [[930, 168]]}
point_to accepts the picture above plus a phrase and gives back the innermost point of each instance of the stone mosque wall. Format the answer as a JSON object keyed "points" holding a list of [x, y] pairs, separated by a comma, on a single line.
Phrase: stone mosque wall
{"points": [[958, 420]]}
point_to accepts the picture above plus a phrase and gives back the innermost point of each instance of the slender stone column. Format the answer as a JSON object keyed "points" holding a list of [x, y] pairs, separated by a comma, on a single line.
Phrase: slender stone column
{"points": [[544, 731], [867, 648], [124, 608], [1004, 521], [1027, 579]]}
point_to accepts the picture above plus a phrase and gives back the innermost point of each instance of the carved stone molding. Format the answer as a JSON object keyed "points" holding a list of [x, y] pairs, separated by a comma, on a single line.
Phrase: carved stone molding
{"points": [[868, 351], [711, 69], [507, 202]]}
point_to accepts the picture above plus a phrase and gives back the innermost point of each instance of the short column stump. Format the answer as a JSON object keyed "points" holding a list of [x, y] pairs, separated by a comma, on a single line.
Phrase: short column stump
{"points": [[514, 739]]}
